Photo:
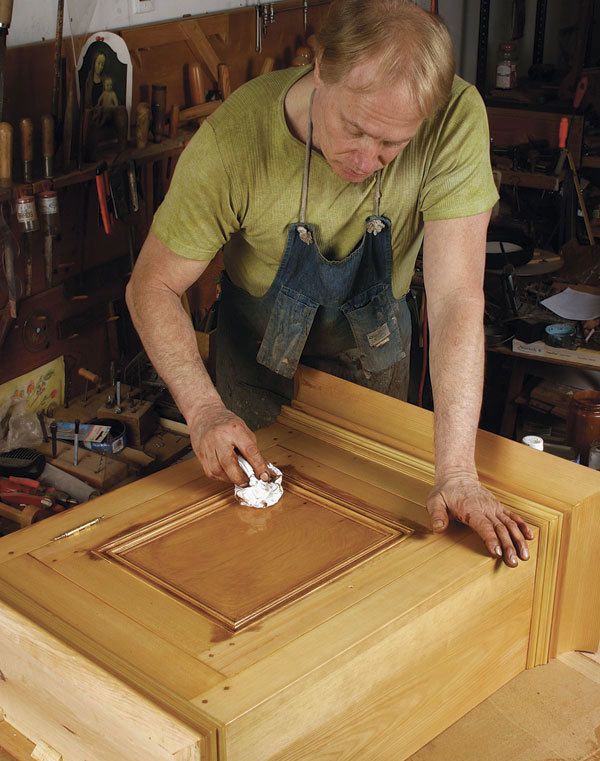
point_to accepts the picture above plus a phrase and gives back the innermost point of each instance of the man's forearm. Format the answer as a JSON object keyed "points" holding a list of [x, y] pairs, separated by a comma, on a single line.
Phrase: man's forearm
{"points": [[170, 342], [457, 361]]}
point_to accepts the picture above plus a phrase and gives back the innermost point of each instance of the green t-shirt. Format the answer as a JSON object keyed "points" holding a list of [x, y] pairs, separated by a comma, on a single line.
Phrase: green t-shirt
{"points": [[238, 185]]}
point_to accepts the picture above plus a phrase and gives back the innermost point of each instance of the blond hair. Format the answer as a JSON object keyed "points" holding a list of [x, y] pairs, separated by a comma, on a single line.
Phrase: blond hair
{"points": [[411, 47]]}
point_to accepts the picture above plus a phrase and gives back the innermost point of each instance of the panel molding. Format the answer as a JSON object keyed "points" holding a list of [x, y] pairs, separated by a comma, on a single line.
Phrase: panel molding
{"points": [[383, 532]]}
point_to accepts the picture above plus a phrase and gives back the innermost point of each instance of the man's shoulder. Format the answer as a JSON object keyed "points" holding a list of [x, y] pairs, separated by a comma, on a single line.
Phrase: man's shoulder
{"points": [[252, 105], [464, 100]]}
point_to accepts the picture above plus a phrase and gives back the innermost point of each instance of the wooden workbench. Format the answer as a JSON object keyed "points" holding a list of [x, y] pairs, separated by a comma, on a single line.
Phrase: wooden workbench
{"points": [[180, 625]]}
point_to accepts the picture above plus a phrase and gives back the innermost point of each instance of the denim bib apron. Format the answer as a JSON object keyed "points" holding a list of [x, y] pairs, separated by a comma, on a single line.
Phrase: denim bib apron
{"points": [[337, 315]]}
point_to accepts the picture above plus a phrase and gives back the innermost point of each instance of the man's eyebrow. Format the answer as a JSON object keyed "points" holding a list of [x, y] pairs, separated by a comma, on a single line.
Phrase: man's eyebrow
{"points": [[358, 128]]}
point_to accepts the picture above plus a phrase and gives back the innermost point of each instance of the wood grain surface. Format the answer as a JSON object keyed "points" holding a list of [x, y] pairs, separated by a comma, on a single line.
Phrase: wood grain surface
{"points": [[237, 563], [374, 634]]}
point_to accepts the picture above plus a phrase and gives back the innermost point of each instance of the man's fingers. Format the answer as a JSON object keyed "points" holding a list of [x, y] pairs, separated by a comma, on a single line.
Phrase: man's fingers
{"points": [[524, 527], [211, 465], [228, 462], [508, 548], [517, 537], [438, 512], [485, 528], [250, 451]]}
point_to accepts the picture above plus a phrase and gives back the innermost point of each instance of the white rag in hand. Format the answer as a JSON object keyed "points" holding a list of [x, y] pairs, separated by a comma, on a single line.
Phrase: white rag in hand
{"points": [[259, 493]]}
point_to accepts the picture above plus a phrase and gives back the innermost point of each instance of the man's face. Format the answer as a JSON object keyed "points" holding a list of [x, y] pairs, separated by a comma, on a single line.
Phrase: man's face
{"points": [[360, 132]]}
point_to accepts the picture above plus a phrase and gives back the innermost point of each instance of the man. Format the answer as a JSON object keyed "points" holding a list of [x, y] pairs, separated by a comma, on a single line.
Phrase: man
{"points": [[283, 176]]}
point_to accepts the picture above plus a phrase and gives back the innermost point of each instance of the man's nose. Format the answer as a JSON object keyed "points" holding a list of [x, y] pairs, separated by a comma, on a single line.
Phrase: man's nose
{"points": [[368, 159]]}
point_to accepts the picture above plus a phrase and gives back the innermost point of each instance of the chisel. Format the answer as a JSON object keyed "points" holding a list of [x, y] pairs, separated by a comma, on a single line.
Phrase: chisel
{"points": [[56, 90], [26, 130], [6, 154], [6, 7], [48, 145]]}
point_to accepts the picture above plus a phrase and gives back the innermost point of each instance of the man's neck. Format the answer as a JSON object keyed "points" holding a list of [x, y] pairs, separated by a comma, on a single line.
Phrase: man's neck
{"points": [[296, 106]]}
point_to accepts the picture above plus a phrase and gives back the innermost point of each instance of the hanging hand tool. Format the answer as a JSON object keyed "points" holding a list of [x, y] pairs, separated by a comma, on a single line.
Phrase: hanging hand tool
{"points": [[305, 14], [197, 84], [68, 124], [6, 154], [56, 90], [48, 145], [102, 189], [48, 202], [29, 223], [123, 202], [259, 28], [224, 81], [133, 186], [566, 153], [26, 129], [6, 7], [9, 249]]}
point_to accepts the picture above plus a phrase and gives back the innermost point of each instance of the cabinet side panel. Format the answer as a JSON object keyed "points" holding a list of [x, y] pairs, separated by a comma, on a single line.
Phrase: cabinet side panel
{"points": [[577, 607], [50, 693], [396, 694]]}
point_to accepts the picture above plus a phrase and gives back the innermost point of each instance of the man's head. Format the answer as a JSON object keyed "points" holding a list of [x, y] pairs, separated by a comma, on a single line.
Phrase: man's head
{"points": [[382, 67]]}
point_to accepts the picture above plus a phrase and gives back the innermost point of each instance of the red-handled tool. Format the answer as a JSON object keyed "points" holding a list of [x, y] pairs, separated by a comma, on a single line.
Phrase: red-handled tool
{"points": [[563, 134], [103, 191]]}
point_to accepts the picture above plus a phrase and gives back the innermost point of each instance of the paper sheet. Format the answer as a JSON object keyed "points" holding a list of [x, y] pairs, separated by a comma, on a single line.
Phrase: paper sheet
{"points": [[574, 305]]}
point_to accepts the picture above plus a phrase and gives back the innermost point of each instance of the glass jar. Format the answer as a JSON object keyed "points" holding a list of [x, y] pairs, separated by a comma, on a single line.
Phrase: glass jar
{"points": [[506, 70], [594, 457], [583, 422]]}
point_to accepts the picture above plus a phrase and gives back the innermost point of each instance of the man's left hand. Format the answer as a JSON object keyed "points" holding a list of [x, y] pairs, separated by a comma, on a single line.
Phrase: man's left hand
{"points": [[504, 533]]}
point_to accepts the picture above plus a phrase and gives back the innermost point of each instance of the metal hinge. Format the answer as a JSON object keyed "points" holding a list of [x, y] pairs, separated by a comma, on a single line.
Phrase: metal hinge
{"points": [[77, 529]]}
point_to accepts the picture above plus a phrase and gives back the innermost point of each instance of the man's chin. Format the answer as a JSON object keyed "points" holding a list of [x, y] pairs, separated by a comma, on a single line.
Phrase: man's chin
{"points": [[350, 176]]}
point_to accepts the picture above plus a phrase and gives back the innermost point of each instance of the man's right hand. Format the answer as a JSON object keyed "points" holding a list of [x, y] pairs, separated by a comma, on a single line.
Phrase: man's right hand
{"points": [[216, 434]]}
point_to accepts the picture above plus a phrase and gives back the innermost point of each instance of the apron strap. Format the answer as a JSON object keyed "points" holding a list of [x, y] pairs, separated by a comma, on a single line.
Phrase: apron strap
{"points": [[378, 193], [309, 133]]}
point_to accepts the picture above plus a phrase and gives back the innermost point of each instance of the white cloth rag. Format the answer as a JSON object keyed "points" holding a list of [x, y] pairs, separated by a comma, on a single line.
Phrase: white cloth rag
{"points": [[259, 493]]}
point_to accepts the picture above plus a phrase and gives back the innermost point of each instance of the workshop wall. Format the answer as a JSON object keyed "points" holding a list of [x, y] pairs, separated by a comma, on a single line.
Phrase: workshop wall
{"points": [[86, 16], [75, 318]]}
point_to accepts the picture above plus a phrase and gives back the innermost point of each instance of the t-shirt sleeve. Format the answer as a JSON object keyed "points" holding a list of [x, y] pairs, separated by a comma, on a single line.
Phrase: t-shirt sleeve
{"points": [[459, 182], [198, 214]]}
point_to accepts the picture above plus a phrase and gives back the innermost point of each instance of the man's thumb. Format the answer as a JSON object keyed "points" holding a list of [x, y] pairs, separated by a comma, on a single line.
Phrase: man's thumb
{"points": [[436, 505]]}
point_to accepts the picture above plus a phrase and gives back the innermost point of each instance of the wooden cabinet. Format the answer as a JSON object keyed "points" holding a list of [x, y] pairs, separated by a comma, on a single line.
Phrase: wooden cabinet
{"points": [[179, 625]]}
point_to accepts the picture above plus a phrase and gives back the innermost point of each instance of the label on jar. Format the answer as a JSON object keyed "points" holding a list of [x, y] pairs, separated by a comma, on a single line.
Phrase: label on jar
{"points": [[49, 203], [506, 75]]}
